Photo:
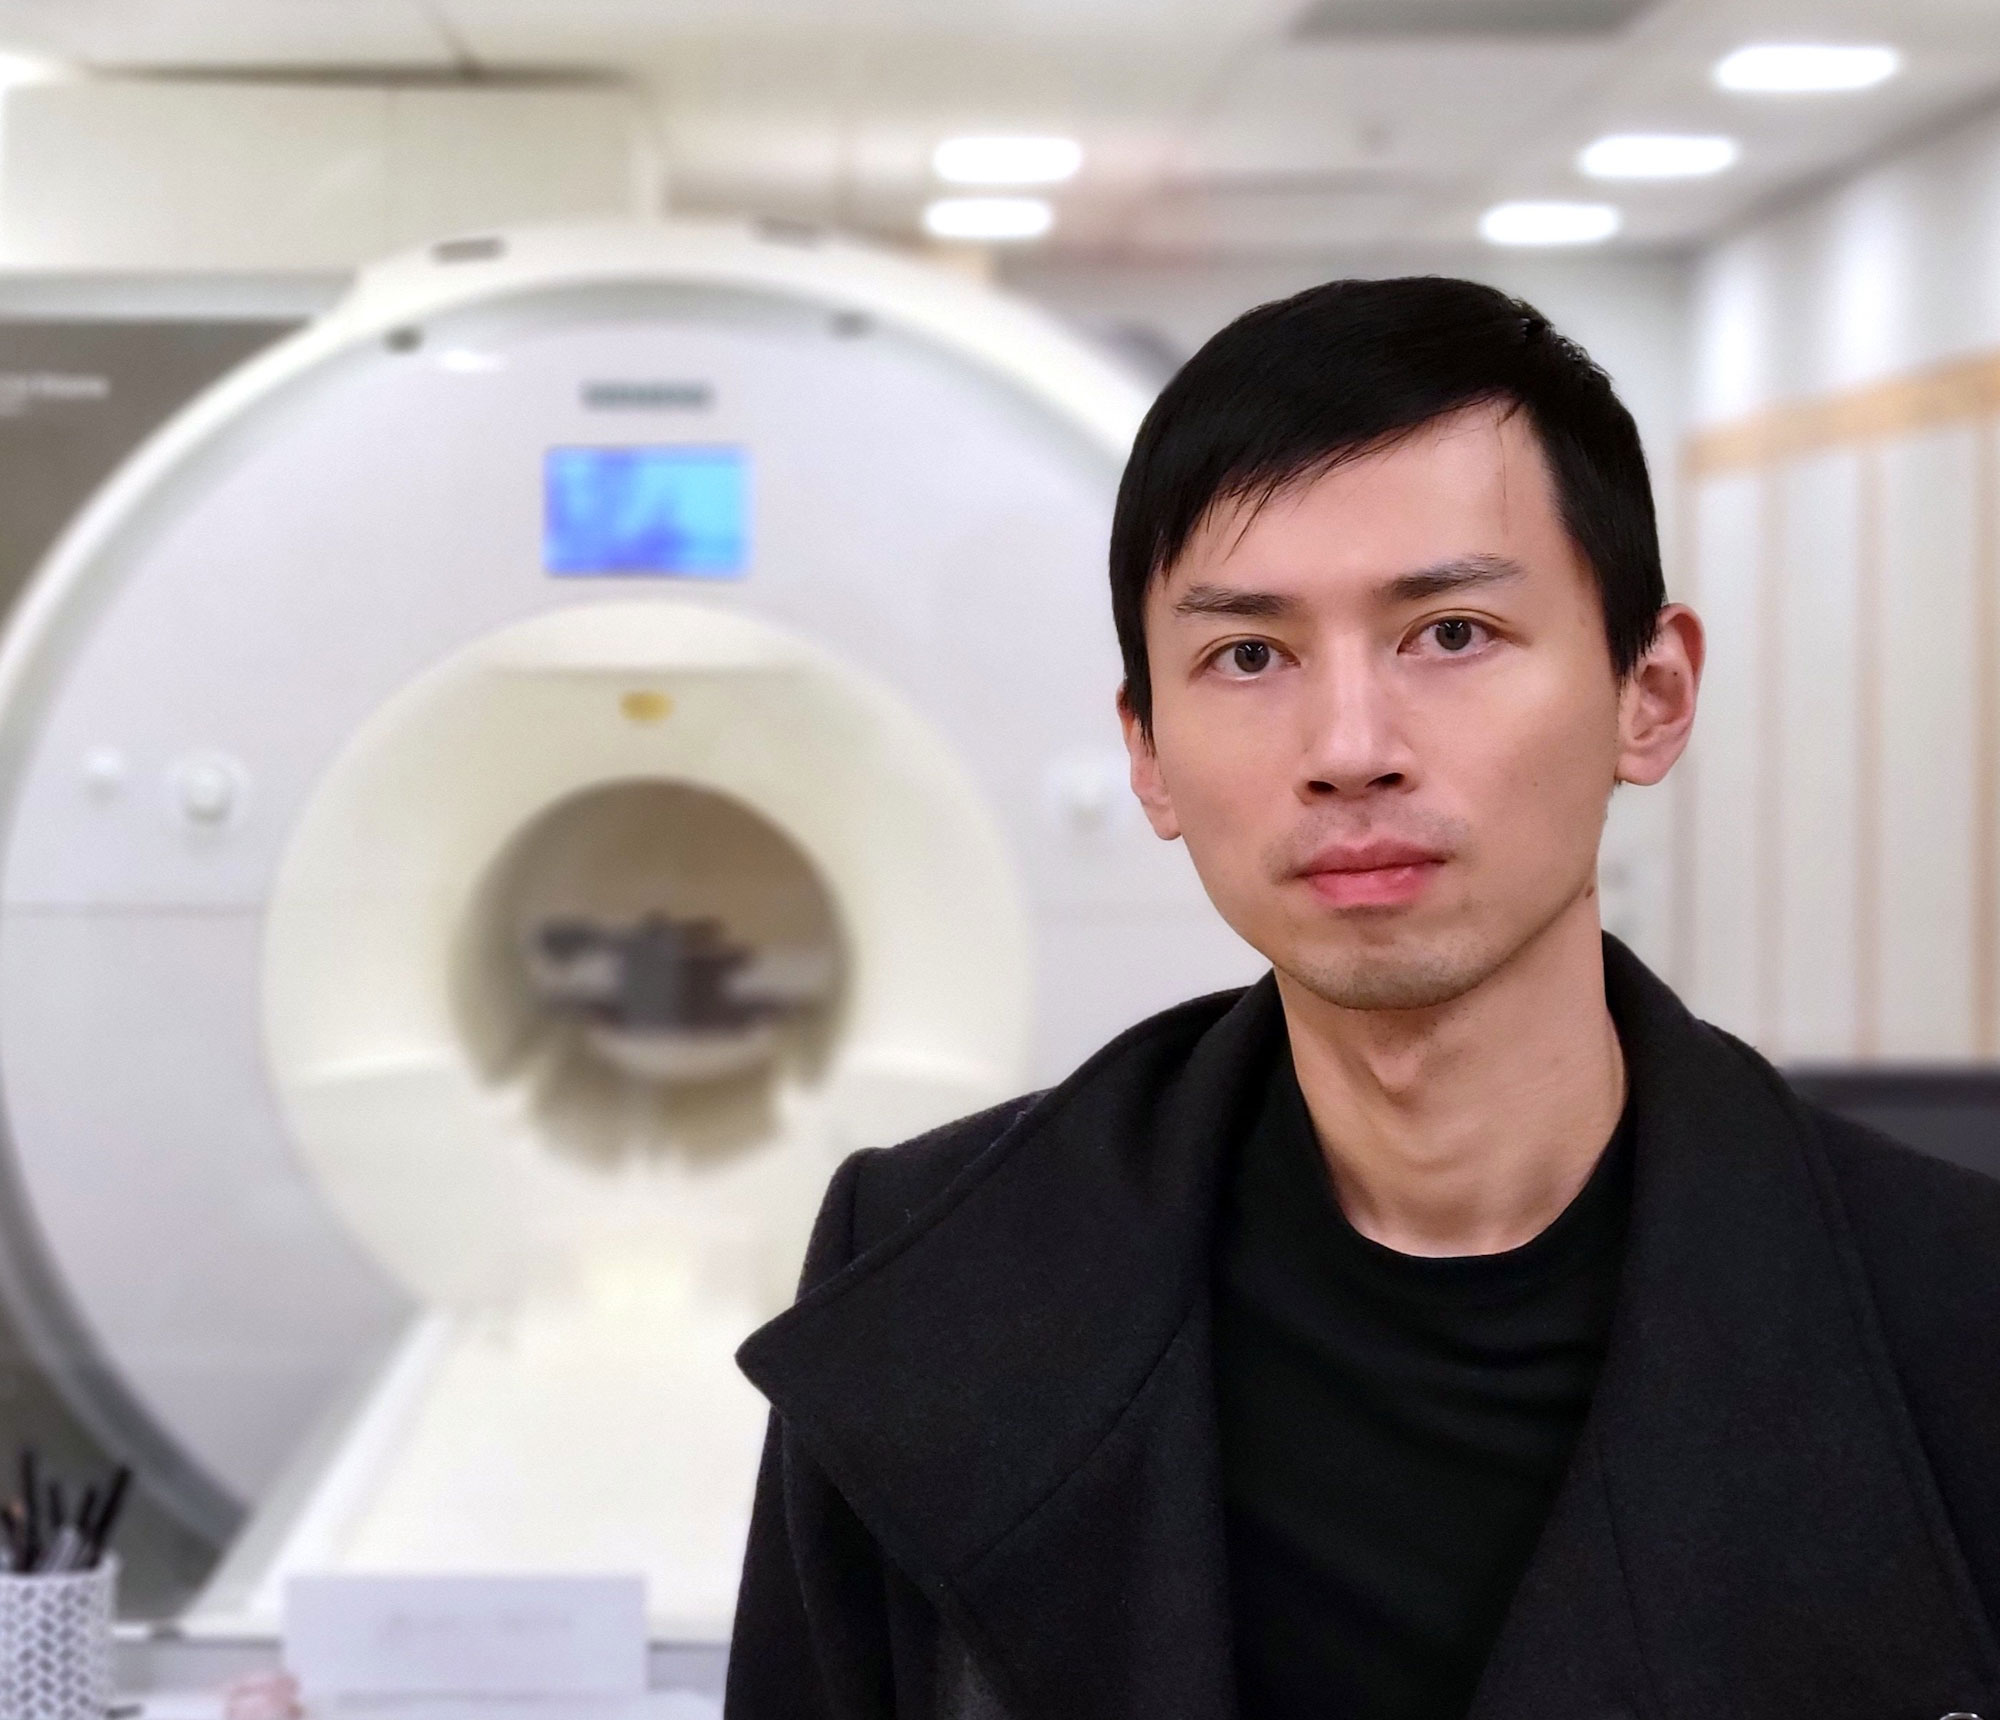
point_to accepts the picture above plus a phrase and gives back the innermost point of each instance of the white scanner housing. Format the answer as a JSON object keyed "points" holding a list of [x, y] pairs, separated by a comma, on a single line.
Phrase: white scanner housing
{"points": [[437, 979]]}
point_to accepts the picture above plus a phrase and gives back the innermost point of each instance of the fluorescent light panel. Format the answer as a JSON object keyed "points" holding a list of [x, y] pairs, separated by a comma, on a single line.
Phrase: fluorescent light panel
{"points": [[1530, 223], [989, 218], [1658, 155], [1801, 68], [1007, 160]]}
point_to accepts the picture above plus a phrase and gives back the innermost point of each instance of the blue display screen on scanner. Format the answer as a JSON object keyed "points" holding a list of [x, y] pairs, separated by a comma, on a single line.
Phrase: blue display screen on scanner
{"points": [[674, 510]]}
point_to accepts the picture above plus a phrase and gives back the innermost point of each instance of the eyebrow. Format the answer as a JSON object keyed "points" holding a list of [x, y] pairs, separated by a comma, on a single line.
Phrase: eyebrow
{"points": [[1230, 600], [1468, 573]]}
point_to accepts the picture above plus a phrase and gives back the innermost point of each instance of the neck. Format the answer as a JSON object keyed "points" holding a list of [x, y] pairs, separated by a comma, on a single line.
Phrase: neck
{"points": [[1466, 1128]]}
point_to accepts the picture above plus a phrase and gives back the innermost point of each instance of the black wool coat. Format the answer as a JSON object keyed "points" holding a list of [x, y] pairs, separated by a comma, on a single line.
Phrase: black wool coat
{"points": [[992, 1486]]}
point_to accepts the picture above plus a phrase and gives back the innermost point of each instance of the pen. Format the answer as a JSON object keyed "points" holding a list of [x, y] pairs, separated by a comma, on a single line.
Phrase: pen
{"points": [[99, 1533], [31, 1550], [65, 1551], [47, 1530]]}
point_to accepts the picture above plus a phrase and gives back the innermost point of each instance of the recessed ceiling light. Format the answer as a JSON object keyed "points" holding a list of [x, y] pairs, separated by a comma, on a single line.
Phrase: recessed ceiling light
{"points": [[17, 68], [1007, 160], [1548, 223], [1796, 68], [1657, 155], [999, 218]]}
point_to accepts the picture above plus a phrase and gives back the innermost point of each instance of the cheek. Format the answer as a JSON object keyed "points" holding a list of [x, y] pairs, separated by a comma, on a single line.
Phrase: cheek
{"points": [[1221, 772], [1230, 786], [1536, 773]]}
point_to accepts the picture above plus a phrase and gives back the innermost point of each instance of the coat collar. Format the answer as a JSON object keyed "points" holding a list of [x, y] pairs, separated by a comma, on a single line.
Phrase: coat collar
{"points": [[1014, 1394]]}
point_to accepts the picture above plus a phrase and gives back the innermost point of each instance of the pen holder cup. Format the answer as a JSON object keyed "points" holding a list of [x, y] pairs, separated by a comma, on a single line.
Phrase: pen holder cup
{"points": [[55, 1644]]}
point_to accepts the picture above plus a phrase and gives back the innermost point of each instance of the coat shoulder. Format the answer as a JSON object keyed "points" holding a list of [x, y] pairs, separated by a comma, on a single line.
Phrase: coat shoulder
{"points": [[892, 1185], [1928, 1232], [1929, 1237], [1914, 1214]]}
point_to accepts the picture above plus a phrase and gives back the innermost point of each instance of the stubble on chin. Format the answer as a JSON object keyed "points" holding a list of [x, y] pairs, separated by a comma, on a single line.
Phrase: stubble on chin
{"points": [[1395, 974], [1386, 966]]}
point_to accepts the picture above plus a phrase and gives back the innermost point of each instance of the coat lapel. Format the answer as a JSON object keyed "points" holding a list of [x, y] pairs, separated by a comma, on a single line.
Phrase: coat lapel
{"points": [[1748, 1476], [1015, 1393]]}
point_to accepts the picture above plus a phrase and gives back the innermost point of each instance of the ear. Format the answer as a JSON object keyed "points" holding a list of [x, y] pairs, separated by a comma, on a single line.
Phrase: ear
{"points": [[1147, 782], [1656, 702]]}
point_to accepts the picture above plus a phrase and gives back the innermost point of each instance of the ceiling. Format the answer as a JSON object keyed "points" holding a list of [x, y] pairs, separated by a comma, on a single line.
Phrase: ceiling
{"points": [[1212, 127]]}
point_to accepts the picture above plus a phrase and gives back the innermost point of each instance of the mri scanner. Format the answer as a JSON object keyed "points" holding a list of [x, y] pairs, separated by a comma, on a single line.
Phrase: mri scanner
{"points": [[500, 796]]}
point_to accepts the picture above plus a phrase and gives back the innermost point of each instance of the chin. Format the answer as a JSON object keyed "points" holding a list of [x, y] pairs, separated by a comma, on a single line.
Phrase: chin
{"points": [[1406, 971]]}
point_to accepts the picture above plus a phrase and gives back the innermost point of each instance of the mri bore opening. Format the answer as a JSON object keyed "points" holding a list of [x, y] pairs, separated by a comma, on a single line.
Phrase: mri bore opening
{"points": [[650, 963]]}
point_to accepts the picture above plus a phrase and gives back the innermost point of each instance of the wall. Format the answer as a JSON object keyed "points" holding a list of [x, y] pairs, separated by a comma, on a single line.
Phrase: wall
{"points": [[1839, 838], [1891, 271], [181, 174]]}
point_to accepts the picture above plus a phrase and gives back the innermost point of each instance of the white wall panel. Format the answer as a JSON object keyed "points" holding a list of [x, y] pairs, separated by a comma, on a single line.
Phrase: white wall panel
{"points": [[1893, 270], [1984, 936], [1929, 667], [1727, 531], [1849, 344], [1814, 773], [123, 174]]}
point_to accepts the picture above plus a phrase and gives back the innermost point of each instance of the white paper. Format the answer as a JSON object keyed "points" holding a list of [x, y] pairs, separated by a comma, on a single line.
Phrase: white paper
{"points": [[654, 1705], [464, 1636]]}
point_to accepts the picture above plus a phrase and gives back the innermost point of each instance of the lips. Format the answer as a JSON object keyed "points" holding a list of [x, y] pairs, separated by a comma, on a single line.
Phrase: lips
{"points": [[1378, 874]]}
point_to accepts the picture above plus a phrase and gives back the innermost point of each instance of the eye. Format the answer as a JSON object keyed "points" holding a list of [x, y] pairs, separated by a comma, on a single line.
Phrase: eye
{"points": [[1246, 659], [1250, 656], [1453, 637]]}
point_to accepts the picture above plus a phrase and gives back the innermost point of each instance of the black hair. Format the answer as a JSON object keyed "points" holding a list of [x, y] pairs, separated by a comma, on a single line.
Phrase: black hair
{"points": [[1292, 389]]}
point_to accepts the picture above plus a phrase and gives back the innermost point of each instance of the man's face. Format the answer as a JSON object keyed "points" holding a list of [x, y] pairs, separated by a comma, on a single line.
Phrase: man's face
{"points": [[1385, 719]]}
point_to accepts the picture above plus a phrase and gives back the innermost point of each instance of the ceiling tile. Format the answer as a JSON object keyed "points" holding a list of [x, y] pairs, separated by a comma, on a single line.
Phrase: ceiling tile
{"points": [[1272, 221], [1209, 127], [1437, 109]]}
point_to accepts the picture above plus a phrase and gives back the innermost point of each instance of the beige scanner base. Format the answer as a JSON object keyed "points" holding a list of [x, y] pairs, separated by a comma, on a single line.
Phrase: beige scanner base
{"points": [[608, 1432], [590, 1248]]}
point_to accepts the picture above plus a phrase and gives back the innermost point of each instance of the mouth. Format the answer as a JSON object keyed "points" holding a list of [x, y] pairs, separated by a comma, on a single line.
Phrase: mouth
{"points": [[1382, 874]]}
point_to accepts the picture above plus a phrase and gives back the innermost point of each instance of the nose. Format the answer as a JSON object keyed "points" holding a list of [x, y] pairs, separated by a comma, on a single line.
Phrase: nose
{"points": [[1355, 742]]}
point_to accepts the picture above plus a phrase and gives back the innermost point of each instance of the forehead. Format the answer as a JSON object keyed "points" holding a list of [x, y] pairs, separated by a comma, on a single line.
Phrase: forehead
{"points": [[1475, 483]]}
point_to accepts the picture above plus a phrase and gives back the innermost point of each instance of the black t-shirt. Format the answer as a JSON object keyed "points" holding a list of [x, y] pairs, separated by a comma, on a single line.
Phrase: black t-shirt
{"points": [[1394, 1428]]}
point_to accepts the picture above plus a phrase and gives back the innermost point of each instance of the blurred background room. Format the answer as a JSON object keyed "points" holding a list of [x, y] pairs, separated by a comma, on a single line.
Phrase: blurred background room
{"points": [[557, 675]]}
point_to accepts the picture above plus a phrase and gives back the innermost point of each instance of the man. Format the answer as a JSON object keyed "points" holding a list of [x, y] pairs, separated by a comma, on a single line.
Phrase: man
{"points": [[1449, 1323]]}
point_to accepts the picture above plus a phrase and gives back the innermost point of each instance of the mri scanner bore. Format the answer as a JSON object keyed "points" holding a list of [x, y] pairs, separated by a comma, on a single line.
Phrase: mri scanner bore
{"points": [[502, 795]]}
